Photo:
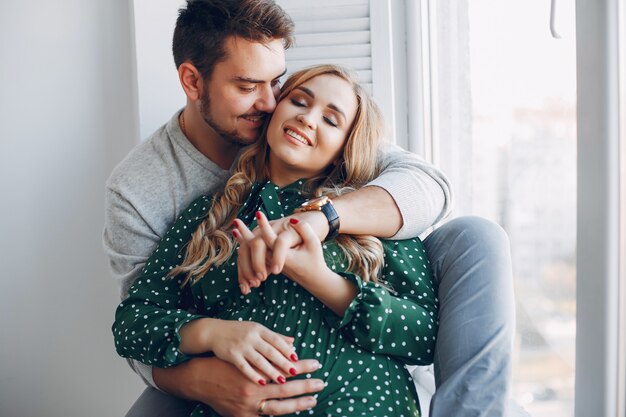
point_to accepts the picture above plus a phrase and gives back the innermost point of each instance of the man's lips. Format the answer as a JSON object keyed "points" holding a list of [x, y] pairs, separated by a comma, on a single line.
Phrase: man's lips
{"points": [[255, 119]]}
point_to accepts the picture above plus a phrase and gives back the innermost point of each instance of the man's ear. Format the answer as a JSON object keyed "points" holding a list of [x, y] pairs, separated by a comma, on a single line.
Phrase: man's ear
{"points": [[191, 80]]}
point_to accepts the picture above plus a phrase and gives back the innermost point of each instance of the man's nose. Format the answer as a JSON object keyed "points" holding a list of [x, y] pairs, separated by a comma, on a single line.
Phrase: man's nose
{"points": [[267, 101]]}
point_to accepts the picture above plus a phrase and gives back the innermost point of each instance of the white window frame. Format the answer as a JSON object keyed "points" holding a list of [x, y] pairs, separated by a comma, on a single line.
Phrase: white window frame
{"points": [[601, 206], [601, 224], [601, 275]]}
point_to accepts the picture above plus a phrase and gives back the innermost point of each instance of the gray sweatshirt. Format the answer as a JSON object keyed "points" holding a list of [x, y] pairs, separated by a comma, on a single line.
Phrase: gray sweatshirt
{"points": [[161, 176]]}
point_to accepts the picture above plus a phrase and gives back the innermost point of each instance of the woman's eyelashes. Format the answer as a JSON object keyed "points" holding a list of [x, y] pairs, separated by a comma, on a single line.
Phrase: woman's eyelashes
{"points": [[330, 120]]}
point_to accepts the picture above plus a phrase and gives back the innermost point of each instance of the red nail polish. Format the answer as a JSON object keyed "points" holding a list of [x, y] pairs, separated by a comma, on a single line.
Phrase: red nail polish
{"points": [[235, 233], [292, 371], [262, 382], [293, 221], [235, 223], [258, 215], [294, 357], [281, 379]]}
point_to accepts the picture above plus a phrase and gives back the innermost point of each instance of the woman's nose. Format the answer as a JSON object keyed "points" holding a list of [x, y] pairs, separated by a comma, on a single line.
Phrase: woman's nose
{"points": [[306, 120]]}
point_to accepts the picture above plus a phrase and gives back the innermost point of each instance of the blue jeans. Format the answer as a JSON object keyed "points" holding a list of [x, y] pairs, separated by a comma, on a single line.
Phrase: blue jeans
{"points": [[471, 260]]}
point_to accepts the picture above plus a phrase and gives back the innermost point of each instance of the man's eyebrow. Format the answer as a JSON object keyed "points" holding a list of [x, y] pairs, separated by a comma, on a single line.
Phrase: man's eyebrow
{"points": [[255, 81], [310, 93]]}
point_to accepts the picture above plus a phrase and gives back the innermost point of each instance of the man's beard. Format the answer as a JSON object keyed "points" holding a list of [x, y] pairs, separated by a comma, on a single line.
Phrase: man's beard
{"points": [[228, 136]]}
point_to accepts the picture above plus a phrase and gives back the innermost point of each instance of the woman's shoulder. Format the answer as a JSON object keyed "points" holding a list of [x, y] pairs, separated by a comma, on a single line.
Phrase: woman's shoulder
{"points": [[194, 213]]}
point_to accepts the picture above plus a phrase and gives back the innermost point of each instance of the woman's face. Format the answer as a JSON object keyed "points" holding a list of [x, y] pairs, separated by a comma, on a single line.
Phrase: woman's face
{"points": [[309, 128]]}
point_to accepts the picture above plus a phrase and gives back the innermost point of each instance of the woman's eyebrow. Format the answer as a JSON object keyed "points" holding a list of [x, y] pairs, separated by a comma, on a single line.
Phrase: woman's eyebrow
{"points": [[310, 93]]}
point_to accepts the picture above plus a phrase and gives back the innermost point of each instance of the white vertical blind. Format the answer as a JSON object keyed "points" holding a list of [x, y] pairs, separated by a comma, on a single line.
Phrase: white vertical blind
{"points": [[352, 33]]}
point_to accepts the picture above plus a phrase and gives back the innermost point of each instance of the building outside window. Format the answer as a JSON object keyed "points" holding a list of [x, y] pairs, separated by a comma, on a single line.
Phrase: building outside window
{"points": [[505, 109]]}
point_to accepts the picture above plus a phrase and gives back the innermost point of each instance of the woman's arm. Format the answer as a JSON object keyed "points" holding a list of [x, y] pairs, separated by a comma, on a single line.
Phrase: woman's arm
{"points": [[148, 322], [397, 318]]}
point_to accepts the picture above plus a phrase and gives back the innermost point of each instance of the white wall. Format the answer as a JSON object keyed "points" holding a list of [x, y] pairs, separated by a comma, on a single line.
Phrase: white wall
{"points": [[160, 94], [67, 115]]}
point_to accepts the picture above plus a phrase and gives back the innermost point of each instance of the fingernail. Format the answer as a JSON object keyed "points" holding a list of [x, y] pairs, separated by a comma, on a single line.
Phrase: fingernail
{"points": [[294, 357], [235, 233], [258, 215], [235, 223], [293, 221], [260, 276], [311, 403], [318, 385], [262, 382], [281, 379], [292, 371]]}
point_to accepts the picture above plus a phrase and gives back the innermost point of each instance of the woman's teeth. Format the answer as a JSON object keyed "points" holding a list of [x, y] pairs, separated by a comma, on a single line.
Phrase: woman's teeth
{"points": [[297, 137]]}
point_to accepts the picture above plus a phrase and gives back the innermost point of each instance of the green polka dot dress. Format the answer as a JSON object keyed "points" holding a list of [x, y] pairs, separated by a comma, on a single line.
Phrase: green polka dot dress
{"points": [[362, 353]]}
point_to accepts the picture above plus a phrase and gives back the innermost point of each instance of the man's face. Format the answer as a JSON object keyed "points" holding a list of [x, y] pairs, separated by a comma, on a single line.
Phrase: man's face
{"points": [[243, 88]]}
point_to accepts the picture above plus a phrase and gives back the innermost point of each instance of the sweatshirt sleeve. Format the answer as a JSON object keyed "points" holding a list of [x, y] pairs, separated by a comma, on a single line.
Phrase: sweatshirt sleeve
{"points": [[148, 322], [421, 192], [128, 239], [398, 316]]}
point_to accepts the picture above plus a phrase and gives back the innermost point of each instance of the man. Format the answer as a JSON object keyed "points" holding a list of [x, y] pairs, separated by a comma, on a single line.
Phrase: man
{"points": [[230, 56]]}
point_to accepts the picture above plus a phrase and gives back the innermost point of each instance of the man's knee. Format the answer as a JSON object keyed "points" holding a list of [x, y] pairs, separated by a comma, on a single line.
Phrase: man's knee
{"points": [[154, 403], [479, 232]]}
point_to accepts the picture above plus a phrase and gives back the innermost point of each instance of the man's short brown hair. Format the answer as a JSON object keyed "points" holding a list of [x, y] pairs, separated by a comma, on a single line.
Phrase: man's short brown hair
{"points": [[204, 25]]}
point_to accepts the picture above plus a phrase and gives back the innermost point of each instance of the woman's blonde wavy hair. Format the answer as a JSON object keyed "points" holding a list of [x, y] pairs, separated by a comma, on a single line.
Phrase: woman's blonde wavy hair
{"points": [[212, 243]]}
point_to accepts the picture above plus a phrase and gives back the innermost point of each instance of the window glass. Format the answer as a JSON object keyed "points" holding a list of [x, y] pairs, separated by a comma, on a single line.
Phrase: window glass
{"points": [[507, 97]]}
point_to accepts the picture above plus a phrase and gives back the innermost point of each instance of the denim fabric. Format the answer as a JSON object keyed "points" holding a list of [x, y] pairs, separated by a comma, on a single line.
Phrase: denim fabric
{"points": [[155, 403], [471, 260]]}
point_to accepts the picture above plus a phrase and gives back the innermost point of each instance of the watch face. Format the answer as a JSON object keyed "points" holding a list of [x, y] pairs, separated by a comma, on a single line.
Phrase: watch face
{"points": [[315, 204]]}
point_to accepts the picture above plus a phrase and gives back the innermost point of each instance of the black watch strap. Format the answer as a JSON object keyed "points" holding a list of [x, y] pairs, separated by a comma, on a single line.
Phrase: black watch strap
{"points": [[333, 220]]}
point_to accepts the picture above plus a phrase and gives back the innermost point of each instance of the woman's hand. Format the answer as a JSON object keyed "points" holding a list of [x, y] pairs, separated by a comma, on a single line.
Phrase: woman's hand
{"points": [[259, 353], [303, 261], [286, 245], [263, 251]]}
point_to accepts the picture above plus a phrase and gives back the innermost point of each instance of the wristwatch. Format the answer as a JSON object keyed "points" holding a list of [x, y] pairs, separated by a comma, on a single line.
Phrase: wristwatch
{"points": [[325, 205]]}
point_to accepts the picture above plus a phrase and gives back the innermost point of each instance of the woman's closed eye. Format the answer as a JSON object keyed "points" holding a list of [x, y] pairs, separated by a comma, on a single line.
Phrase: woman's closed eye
{"points": [[298, 103], [331, 120]]}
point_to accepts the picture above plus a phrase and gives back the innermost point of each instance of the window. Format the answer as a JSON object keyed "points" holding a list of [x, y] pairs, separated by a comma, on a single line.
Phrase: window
{"points": [[506, 97]]}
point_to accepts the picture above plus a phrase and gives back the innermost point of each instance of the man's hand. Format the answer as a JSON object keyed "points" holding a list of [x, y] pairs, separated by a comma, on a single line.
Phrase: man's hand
{"points": [[220, 385]]}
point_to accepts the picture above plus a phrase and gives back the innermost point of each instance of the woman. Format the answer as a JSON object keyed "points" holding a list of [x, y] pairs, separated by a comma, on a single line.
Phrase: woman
{"points": [[352, 302]]}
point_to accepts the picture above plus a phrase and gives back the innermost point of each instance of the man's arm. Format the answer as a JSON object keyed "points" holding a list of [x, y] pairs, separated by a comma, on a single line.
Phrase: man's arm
{"points": [[221, 385], [409, 196], [369, 210], [128, 241]]}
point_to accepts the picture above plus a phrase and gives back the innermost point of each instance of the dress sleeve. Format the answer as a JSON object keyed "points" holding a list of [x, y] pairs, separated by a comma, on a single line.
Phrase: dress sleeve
{"points": [[397, 316], [148, 322], [421, 191]]}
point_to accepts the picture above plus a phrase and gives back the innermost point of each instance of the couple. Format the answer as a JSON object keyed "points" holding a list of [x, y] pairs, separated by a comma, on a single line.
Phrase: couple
{"points": [[229, 70]]}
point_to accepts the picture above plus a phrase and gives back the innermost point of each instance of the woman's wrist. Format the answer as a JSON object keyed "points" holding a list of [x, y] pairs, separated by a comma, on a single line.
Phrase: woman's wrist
{"points": [[195, 336]]}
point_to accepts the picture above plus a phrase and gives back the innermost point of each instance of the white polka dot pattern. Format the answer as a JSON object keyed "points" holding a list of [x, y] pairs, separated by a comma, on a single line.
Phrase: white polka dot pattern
{"points": [[362, 353]]}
